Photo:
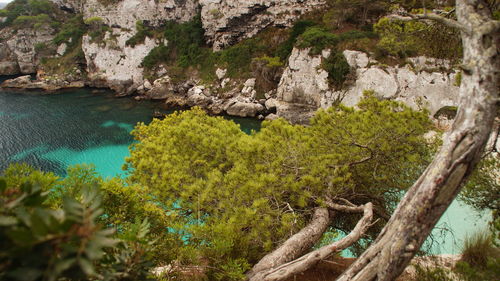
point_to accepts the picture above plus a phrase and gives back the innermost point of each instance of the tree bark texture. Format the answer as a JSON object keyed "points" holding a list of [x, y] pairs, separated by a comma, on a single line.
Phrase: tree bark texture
{"points": [[284, 270], [430, 196], [297, 245]]}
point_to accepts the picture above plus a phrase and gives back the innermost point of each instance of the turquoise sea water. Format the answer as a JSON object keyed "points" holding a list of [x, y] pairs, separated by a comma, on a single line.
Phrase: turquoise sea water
{"points": [[54, 131]]}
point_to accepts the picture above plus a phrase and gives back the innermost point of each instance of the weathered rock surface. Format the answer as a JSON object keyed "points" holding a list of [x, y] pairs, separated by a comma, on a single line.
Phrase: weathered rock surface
{"points": [[72, 6], [227, 22], [26, 82], [125, 13], [428, 84], [113, 64], [424, 83], [18, 54]]}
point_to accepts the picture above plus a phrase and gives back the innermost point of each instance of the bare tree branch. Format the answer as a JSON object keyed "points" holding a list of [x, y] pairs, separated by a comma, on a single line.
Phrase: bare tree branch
{"points": [[296, 245], [305, 262]]}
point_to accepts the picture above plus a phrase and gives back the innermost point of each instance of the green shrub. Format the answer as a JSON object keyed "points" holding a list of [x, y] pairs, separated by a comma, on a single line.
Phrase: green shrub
{"points": [[26, 13], [337, 67], [156, 56], [31, 21], [71, 32], [271, 61], [285, 49], [479, 248], [59, 228], [184, 48], [140, 36], [317, 39], [43, 244], [93, 21], [403, 39], [470, 273], [432, 274], [458, 79], [96, 29]]}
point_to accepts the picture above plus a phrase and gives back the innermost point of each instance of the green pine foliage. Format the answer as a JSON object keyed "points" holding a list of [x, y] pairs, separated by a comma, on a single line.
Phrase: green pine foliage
{"points": [[416, 38], [235, 196], [140, 36], [338, 69]]}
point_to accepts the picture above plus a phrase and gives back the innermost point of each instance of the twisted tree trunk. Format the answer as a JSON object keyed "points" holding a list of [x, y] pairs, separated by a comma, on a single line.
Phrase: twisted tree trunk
{"points": [[290, 259], [430, 196]]}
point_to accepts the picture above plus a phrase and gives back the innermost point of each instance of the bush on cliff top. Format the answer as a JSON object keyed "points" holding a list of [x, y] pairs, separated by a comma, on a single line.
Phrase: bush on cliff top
{"points": [[30, 12], [415, 38], [142, 32]]}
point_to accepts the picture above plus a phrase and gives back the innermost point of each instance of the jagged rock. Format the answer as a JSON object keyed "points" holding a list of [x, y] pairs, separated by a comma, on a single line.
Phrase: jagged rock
{"points": [[271, 117], [303, 82], [52, 84], [356, 59], [221, 73], [225, 82], [304, 86], [125, 13], [227, 22], [111, 60], [271, 104], [115, 63], [61, 50], [243, 109], [17, 49]]}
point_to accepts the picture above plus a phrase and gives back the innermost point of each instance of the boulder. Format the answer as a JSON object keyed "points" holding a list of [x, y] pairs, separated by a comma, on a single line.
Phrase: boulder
{"points": [[243, 109]]}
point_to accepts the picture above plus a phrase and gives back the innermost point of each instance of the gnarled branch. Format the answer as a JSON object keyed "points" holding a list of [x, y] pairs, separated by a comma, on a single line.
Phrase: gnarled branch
{"points": [[305, 262], [296, 245]]}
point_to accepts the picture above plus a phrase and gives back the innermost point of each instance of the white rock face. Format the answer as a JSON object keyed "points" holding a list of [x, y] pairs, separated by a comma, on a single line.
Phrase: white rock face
{"points": [[75, 6], [17, 49], [303, 81], [304, 86], [227, 22], [115, 63], [126, 13], [61, 50], [431, 90]]}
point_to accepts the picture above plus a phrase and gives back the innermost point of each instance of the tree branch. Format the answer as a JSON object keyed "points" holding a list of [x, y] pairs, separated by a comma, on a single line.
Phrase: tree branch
{"points": [[305, 262], [296, 245], [432, 16]]}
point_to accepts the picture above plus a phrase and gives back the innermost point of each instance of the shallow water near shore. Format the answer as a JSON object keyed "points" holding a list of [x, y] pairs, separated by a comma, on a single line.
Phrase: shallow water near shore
{"points": [[54, 131]]}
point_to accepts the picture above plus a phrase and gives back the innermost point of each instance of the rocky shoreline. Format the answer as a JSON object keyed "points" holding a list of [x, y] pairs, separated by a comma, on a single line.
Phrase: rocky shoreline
{"points": [[303, 87]]}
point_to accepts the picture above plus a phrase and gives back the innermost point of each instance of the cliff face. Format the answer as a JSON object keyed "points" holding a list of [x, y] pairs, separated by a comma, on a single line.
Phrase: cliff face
{"points": [[125, 13], [304, 85], [421, 83], [110, 62], [227, 22], [18, 49]]}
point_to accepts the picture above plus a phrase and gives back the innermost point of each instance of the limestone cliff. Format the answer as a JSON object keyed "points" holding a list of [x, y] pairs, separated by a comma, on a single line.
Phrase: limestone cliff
{"points": [[227, 22], [18, 49], [420, 83], [112, 62]]}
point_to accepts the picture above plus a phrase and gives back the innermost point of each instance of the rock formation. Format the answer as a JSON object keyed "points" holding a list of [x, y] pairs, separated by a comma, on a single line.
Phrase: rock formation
{"points": [[421, 83]]}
